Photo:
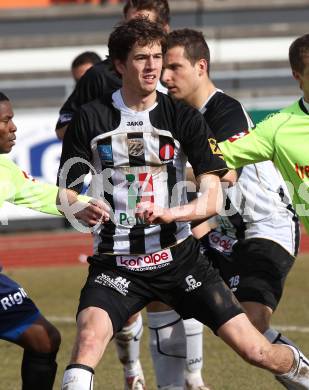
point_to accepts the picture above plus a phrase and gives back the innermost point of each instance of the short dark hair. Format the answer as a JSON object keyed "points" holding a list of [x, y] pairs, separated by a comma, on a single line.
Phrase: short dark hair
{"points": [[193, 42], [139, 30], [298, 50], [3, 97], [160, 7], [85, 58]]}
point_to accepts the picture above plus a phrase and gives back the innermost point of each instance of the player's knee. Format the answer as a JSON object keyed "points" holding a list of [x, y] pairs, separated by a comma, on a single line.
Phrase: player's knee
{"points": [[89, 339], [54, 340]]}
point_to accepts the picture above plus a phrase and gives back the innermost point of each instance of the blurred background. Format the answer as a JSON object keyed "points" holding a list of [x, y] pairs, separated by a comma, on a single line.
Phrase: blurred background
{"points": [[249, 42]]}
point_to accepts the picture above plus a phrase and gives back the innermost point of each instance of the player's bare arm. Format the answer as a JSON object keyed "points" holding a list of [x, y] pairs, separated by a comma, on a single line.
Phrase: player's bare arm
{"points": [[90, 213], [207, 205]]}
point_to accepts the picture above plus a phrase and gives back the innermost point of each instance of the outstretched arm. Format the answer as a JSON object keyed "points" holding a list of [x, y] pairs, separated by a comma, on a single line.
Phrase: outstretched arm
{"points": [[85, 209], [207, 205]]}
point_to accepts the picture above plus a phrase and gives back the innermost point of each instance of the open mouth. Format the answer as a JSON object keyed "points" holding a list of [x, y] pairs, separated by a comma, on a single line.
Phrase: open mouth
{"points": [[150, 77]]}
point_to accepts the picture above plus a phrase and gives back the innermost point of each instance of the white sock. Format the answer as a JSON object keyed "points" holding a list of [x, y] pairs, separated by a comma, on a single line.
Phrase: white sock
{"points": [[299, 373], [194, 361], [128, 347], [78, 377], [168, 348]]}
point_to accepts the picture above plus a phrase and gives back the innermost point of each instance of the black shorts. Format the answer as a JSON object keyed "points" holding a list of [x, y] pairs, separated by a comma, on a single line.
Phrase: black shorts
{"points": [[255, 271], [188, 283], [17, 311]]}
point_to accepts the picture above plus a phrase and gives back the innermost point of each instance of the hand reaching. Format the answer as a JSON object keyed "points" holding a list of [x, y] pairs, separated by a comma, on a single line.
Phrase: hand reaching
{"points": [[153, 214]]}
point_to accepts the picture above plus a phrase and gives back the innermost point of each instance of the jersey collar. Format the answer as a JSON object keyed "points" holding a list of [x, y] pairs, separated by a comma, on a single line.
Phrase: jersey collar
{"points": [[304, 106], [204, 106], [120, 104]]}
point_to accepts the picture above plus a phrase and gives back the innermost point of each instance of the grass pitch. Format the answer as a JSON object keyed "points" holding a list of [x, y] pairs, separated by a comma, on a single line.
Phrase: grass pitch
{"points": [[56, 292]]}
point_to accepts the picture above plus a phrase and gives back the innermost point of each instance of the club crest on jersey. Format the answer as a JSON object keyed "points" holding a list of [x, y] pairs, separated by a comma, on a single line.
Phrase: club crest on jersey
{"points": [[106, 154], [136, 147], [167, 152], [235, 137], [214, 146]]}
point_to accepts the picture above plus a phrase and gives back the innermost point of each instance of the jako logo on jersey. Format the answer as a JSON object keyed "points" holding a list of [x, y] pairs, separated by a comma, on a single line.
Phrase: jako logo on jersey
{"points": [[167, 152], [145, 261], [235, 137], [13, 299], [192, 283], [132, 123], [119, 284]]}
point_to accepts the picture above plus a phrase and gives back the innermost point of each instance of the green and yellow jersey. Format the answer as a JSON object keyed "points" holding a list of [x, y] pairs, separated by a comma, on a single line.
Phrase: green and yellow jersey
{"points": [[20, 189], [284, 139]]}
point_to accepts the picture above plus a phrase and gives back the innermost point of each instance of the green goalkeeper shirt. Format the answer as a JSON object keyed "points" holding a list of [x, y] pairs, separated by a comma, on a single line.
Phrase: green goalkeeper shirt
{"points": [[284, 139], [18, 188]]}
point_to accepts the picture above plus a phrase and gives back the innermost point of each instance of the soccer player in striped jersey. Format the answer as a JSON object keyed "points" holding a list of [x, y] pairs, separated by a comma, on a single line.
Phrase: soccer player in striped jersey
{"points": [[100, 79], [137, 142], [255, 245], [20, 320]]}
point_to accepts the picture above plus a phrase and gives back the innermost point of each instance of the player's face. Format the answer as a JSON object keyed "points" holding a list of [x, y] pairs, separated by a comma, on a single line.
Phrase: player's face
{"points": [[7, 127], [142, 69], [303, 77], [179, 75]]}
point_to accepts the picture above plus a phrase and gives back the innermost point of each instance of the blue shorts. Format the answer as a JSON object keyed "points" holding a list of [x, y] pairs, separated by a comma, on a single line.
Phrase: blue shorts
{"points": [[17, 311]]}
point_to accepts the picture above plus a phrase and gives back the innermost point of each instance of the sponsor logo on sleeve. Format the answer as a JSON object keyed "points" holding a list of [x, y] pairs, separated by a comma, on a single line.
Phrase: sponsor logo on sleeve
{"points": [[302, 171], [235, 137], [146, 262], [214, 146]]}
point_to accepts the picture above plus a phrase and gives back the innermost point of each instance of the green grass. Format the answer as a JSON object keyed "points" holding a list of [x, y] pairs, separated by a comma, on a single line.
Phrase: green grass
{"points": [[56, 292]]}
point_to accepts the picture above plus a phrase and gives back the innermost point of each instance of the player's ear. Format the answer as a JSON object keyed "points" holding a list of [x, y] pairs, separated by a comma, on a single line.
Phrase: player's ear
{"points": [[297, 76], [202, 66], [119, 66]]}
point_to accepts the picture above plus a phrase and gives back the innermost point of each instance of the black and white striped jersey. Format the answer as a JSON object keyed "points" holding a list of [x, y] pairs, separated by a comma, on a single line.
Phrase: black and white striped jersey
{"points": [[259, 205], [139, 156]]}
